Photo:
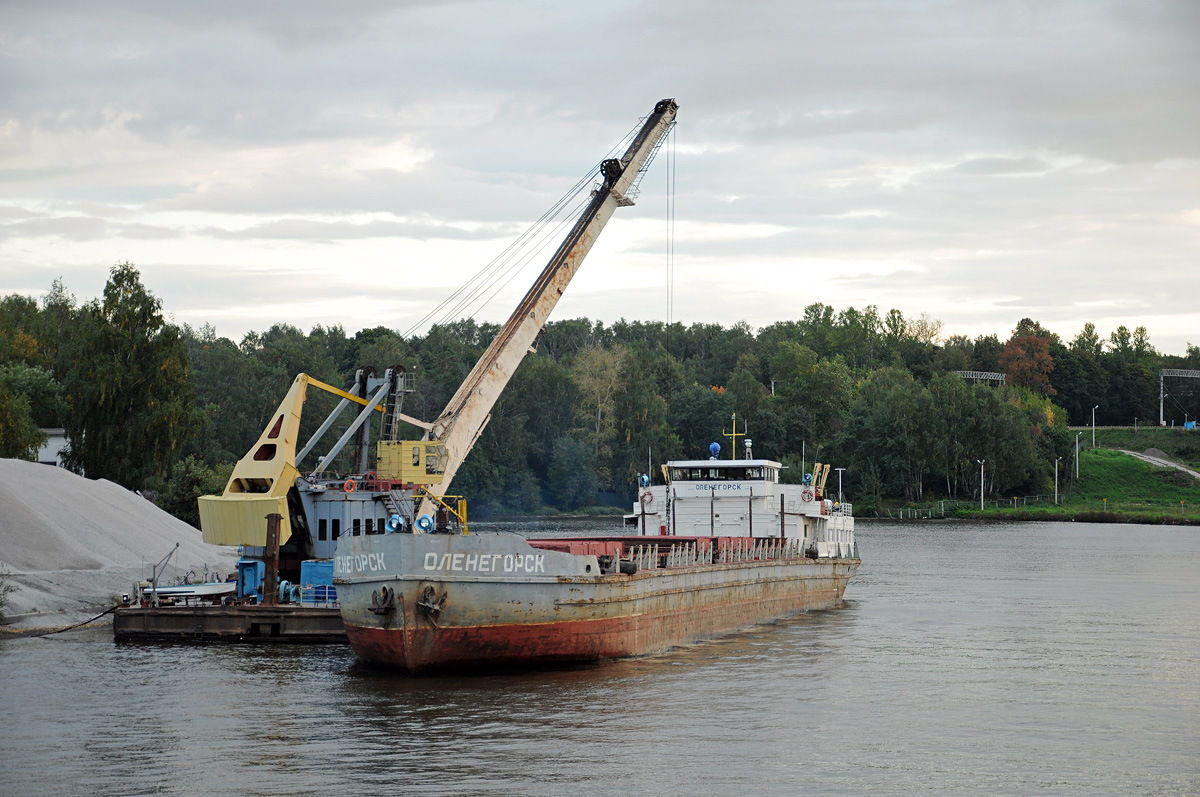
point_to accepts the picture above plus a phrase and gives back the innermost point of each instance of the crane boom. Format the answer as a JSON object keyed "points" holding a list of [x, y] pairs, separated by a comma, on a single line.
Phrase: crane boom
{"points": [[463, 419]]}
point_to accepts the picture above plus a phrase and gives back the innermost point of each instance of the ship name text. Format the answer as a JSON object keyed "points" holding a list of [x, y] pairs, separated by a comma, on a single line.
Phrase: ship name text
{"points": [[486, 562], [360, 563]]}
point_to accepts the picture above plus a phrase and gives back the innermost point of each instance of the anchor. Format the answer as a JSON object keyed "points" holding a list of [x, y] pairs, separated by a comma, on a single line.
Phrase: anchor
{"points": [[430, 603], [381, 601]]}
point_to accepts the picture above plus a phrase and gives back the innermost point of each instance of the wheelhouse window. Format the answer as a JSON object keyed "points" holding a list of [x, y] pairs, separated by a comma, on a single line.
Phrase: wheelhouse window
{"points": [[757, 473]]}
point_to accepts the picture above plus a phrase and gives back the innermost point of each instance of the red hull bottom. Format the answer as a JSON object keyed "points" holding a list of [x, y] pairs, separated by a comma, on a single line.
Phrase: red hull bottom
{"points": [[420, 646]]}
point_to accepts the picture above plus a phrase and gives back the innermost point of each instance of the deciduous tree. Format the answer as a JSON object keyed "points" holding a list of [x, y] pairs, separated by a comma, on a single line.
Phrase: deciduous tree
{"points": [[1027, 362], [127, 390]]}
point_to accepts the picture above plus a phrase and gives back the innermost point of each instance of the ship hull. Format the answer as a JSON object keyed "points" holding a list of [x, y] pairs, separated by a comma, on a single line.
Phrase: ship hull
{"points": [[550, 607]]}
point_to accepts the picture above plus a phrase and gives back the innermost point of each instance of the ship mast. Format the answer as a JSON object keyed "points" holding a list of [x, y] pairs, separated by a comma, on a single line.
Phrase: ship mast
{"points": [[467, 413]]}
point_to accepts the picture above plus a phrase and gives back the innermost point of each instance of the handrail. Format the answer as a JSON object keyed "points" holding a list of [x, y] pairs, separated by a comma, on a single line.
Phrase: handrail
{"points": [[459, 500]]}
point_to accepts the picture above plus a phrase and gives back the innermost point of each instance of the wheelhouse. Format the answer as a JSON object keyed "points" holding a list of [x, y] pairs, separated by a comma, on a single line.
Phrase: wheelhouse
{"points": [[739, 470]]}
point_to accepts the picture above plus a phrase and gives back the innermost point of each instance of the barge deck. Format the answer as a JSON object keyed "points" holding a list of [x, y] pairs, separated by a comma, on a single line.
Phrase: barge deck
{"points": [[247, 623]]}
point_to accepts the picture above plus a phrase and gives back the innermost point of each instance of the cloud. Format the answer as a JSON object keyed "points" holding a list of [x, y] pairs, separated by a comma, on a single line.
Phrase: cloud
{"points": [[971, 161], [1002, 166], [313, 230]]}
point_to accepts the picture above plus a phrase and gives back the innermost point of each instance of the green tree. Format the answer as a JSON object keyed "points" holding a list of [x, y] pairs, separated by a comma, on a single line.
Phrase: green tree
{"points": [[641, 424], [20, 437], [744, 388], [597, 374], [1087, 341], [890, 431], [857, 336], [985, 354], [547, 398], [20, 330], [954, 355], [1028, 328], [127, 390], [40, 389], [815, 394], [818, 329], [572, 474], [952, 405], [190, 479]]}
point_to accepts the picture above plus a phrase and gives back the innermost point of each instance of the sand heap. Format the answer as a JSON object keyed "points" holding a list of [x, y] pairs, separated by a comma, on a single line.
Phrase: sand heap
{"points": [[71, 543]]}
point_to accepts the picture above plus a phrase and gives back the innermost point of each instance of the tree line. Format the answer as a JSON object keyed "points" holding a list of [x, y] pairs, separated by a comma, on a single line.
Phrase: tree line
{"points": [[169, 409]]}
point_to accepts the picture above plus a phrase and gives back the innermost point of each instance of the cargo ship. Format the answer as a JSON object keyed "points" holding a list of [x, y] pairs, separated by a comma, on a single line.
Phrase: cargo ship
{"points": [[720, 546]]}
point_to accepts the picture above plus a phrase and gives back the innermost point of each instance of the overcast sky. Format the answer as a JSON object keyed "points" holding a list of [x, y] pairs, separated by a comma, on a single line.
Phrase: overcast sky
{"points": [[354, 163]]}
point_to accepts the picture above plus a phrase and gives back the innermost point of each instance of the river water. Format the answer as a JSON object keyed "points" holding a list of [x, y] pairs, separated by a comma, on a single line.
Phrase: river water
{"points": [[1057, 658]]}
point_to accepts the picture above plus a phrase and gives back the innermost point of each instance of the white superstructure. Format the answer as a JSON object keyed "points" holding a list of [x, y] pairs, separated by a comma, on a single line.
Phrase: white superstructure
{"points": [[744, 498]]}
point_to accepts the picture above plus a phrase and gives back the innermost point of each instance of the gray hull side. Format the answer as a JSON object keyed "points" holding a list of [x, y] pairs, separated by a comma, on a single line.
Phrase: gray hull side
{"points": [[465, 600]]}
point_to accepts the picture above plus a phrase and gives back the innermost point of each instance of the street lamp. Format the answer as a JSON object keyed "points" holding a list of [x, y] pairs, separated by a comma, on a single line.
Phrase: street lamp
{"points": [[839, 470], [1094, 424], [981, 461], [1056, 480], [1077, 434]]}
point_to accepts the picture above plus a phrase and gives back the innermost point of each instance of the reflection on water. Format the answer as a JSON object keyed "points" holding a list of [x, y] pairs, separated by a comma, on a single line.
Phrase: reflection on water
{"points": [[998, 659]]}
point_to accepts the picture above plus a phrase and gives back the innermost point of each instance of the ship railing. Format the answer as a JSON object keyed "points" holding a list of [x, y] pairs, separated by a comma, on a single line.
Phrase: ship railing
{"points": [[644, 556], [688, 555], [721, 550], [682, 554], [318, 595], [755, 549]]}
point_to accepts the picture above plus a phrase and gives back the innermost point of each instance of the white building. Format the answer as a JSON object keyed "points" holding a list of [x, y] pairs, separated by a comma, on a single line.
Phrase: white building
{"points": [[51, 451]]}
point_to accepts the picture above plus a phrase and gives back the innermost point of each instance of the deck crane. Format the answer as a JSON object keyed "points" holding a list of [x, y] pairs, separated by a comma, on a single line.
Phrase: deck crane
{"points": [[410, 476], [467, 413]]}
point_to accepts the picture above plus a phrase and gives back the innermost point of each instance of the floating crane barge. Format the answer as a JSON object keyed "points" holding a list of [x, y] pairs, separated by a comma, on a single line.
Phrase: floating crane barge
{"points": [[719, 545]]}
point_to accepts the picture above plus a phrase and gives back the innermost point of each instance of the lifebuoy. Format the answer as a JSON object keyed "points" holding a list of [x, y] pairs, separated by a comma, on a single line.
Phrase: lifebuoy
{"points": [[647, 498], [348, 486], [807, 495]]}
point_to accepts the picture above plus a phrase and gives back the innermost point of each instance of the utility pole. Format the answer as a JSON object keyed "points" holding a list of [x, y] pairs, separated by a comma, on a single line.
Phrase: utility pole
{"points": [[981, 461], [1056, 480], [1094, 424], [839, 470], [1077, 434]]}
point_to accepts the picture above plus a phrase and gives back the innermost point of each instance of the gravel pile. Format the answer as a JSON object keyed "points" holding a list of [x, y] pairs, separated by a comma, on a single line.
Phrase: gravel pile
{"points": [[71, 544]]}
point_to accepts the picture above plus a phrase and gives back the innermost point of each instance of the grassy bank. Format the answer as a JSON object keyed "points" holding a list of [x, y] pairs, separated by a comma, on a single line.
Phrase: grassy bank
{"points": [[1179, 445], [1113, 486]]}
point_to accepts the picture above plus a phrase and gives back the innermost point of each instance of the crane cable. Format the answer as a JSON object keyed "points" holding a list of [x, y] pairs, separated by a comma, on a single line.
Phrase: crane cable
{"points": [[670, 170], [515, 257], [502, 269], [487, 276]]}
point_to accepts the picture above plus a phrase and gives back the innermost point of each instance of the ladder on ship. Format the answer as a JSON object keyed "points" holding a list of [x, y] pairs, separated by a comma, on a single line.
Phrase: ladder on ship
{"points": [[404, 383]]}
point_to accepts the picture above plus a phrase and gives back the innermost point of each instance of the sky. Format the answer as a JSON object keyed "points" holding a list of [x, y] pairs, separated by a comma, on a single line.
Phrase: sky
{"points": [[355, 163]]}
